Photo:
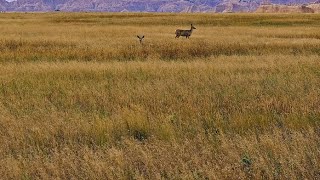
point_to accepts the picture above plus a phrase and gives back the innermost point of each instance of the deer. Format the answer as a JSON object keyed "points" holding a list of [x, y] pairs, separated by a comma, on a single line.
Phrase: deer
{"points": [[186, 33], [140, 38]]}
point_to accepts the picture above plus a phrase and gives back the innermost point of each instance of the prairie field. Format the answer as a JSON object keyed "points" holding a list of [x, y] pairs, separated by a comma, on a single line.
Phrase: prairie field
{"points": [[81, 98]]}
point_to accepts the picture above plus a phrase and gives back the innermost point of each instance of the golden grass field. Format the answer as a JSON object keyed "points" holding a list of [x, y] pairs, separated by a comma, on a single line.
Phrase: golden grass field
{"points": [[80, 98]]}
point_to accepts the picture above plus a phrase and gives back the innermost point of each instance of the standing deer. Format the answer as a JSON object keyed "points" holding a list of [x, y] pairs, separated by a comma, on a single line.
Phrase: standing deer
{"points": [[140, 38], [186, 33]]}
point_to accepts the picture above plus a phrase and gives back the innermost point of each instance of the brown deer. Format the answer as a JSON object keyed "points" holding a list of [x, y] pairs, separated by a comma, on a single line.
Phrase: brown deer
{"points": [[140, 38], [186, 33]]}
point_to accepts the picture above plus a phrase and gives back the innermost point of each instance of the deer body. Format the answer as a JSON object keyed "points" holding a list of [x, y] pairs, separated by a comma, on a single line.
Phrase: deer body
{"points": [[186, 33]]}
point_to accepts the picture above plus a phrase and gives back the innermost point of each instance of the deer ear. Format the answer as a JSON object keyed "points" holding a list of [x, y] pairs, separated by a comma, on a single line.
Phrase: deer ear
{"points": [[138, 37], [142, 36]]}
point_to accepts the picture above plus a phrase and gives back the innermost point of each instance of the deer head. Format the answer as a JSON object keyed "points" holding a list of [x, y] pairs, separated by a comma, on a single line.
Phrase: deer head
{"points": [[140, 38]]}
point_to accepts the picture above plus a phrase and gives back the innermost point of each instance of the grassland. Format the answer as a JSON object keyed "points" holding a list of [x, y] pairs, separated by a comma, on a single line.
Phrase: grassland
{"points": [[80, 98]]}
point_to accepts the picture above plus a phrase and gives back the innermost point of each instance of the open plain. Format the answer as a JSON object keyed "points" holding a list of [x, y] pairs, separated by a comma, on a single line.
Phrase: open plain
{"points": [[81, 98]]}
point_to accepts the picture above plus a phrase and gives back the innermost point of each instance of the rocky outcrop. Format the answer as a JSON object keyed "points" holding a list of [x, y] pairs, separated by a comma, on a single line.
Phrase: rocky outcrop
{"points": [[31, 5], [3, 5], [276, 8], [315, 7]]}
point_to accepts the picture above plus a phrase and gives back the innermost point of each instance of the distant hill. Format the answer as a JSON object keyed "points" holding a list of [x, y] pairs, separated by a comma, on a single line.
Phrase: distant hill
{"points": [[146, 5]]}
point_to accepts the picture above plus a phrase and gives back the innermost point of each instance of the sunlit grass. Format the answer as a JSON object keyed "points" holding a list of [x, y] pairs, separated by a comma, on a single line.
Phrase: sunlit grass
{"points": [[81, 98]]}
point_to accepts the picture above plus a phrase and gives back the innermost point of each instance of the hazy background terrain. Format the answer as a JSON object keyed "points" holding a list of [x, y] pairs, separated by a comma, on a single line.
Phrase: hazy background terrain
{"points": [[145, 5]]}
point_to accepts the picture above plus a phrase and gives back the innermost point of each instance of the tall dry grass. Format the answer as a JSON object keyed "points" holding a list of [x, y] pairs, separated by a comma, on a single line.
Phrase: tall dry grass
{"points": [[82, 99]]}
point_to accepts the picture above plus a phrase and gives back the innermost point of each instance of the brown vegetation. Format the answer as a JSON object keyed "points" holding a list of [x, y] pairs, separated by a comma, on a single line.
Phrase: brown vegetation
{"points": [[81, 98]]}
